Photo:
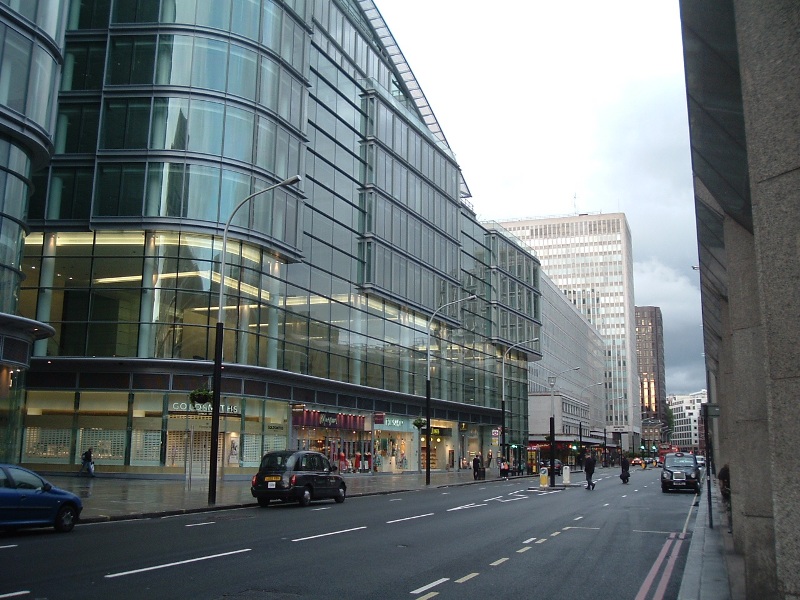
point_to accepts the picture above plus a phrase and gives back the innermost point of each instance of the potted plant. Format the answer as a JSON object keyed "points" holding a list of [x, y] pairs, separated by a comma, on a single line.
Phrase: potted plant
{"points": [[200, 396]]}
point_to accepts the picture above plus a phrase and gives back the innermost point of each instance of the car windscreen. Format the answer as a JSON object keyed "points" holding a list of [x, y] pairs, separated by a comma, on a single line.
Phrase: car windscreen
{"points": [[276, 461], [675, 461]]}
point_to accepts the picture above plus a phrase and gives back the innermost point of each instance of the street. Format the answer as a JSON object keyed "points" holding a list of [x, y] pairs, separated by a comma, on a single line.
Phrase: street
{"points": [[500, 539]]}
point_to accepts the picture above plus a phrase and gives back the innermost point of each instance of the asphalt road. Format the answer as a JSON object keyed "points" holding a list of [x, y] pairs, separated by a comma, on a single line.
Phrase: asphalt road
{"points": [[498, 540]]}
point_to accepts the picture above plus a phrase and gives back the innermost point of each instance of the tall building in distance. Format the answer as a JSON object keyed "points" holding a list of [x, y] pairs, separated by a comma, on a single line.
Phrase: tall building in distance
{"points": [[352, 301], [650, 356], [589, 257], [686, 428]]}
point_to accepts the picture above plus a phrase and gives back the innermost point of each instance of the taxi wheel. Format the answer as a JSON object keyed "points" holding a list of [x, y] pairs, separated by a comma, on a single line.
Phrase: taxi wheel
{"points": [[305, 498], [263, 502], [340, 494]]}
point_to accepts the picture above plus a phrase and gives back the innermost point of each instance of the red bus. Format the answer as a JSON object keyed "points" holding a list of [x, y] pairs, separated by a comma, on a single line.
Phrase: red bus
{"points": [[665, 449]]}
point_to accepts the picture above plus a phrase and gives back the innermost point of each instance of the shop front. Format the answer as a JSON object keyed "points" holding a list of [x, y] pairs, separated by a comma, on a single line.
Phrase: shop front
{"points": [[344, 438], [396, 443], [442, 446]]}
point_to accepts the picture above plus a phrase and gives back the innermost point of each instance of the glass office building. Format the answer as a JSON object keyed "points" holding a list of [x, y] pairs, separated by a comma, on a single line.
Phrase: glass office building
{"points": [[31, 38], [337, 292]]}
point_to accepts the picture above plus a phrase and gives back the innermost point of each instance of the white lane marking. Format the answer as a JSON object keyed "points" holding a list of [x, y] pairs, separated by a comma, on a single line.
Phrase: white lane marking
{"points": [[429, 596], [15, 594], [648, 531], [624, 495], [555, 533], [314, 537], [321, 508], [577, 518], [523, 549], [409, 518], [9, 546], [433, 584], [199, 524], [395, 499], [466, 578], [495, 498], [606, 504], [542, 541], [175, 564], [473, 505], [592, 528], [499, 561], [528, 541]]}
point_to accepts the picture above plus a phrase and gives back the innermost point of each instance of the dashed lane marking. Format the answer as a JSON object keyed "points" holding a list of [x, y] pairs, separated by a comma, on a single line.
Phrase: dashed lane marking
{"points": [[466, 578], [523, 549], [499, 561], [432, 584]]}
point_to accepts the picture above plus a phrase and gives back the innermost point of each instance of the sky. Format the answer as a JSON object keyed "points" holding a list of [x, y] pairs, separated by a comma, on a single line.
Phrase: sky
{"points": [[553, 108]]}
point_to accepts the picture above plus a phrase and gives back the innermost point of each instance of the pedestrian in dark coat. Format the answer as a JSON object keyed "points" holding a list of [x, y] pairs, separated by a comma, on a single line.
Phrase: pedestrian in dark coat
{"points": [[588, 468], [476, 465]]}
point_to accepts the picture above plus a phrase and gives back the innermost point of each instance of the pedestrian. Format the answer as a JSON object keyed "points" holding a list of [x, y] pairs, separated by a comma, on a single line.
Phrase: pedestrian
{"points": [[503, 467], [588, 468], [626, 468], [87, 462], [476, 465], [724, 480]]}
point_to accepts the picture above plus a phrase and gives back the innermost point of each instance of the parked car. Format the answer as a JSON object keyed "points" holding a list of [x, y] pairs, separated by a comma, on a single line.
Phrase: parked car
{"points": [[545, 464], [300, 476], [680, 472], [29, 500]]}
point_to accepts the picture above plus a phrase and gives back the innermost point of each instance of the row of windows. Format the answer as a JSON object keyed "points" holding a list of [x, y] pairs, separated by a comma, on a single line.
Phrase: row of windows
{"points": [[27, 76], [207, 193]]}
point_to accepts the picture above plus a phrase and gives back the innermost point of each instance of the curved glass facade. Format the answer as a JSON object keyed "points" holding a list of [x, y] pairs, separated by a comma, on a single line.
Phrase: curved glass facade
{"points": [[330, 286]]}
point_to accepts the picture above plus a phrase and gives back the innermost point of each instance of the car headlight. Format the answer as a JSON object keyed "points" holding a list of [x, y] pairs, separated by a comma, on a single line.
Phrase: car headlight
{"points": [[666, 475]]}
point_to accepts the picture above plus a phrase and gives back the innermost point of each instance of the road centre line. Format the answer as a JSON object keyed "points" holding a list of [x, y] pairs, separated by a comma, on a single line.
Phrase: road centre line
{"points": [[199, 524], [314, 537], [175, 564], [433, 584], [499, 561], [466, 578], [528, 541], [523, 549], [409, 518], [555, 533], [6, 547], [15, 594], [541, 541]]}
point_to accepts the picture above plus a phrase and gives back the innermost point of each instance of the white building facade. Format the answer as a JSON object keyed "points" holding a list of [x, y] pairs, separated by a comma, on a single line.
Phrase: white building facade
{"points": [[686, 420], [589, 258]]}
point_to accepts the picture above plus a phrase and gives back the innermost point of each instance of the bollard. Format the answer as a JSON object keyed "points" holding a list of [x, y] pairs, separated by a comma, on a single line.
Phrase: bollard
{"points": [[543, 479], [565, 475]]}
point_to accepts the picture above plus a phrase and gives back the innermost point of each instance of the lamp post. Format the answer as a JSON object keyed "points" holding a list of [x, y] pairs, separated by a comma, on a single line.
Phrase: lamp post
{"points": [[551, 380], [428, 387], [503, 397], [217, 377]]}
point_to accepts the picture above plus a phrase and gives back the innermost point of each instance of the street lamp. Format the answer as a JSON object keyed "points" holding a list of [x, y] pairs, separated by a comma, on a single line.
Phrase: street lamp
{"points": [[503, 397], [428, 387], [217, 377], [551, 380]]}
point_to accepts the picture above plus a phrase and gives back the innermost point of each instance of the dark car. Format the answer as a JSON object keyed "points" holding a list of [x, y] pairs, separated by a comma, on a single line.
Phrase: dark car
{"points": [[29, 500], [545, 464], [680, 472], [299, 475]]}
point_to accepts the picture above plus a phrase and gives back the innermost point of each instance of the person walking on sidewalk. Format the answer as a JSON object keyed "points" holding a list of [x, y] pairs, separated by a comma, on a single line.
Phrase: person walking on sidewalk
{"points": [[588, 468], [476, 465], [87, 462]]}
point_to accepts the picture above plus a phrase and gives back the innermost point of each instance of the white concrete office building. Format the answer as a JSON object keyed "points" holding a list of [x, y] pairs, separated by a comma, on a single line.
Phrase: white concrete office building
{"points": [[589, 257]]}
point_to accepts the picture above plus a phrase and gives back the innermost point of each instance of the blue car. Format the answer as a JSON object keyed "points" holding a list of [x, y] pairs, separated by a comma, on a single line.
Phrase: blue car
{"points": [[28, 500]]}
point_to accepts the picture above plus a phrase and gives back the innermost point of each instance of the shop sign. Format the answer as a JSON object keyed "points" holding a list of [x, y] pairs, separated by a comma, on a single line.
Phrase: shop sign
{"points": [[442, 431], [205, 408], [327, 420], [276, 428], [392, 423], [379, 418]]}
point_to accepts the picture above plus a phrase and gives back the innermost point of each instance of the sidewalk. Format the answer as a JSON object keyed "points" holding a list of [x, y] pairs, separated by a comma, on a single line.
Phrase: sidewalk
{"points": [[712, 571]]}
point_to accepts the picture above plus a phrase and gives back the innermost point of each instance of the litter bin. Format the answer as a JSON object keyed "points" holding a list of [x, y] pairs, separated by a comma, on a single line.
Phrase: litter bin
{"points": [[543, 477], [481, 473]]}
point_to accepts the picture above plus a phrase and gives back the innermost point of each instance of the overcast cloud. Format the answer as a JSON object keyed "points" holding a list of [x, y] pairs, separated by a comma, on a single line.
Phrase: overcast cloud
{"points": [[558, 107]]}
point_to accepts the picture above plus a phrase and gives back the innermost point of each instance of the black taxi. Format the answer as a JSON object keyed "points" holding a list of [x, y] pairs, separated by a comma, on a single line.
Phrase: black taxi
{"points": [[296, 475], [680, 472]]}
